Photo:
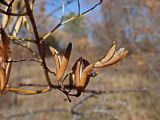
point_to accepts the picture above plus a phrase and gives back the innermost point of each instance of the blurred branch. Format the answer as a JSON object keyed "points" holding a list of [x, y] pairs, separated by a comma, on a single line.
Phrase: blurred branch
{"points": [[97, 92], [77, 106], [53, 11], [71, 19], [12, 14], [40, 45], [25, 60], [22, 39], [28, 48]]}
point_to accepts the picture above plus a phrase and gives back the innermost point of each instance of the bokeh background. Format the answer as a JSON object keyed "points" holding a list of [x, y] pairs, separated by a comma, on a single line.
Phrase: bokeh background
{"points": [[133, 24]]}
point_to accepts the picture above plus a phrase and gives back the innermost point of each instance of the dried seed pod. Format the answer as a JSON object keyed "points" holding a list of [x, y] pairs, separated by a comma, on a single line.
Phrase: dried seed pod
{"points": [[2, 79], [4, 75], [72, 81], [86, 75], [108, 56], [56, 59], [110, 53], [61, 63], [82, 74], [5, 45], [64, 61], [111, 57]]}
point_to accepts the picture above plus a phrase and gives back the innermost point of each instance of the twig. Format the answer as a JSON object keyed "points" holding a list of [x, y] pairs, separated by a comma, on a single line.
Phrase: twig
{"points": [[40, 44], [71, 19], [12, 14], [79, 7], [55, 10], [26, 60], [28, 48]]}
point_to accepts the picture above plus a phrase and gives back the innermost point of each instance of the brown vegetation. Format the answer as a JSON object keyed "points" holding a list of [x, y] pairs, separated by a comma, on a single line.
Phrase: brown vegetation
{"points": [[128, 90]]}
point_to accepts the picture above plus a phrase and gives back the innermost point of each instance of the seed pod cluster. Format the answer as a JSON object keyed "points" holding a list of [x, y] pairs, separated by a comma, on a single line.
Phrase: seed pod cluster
{"points": [[82, 70]]}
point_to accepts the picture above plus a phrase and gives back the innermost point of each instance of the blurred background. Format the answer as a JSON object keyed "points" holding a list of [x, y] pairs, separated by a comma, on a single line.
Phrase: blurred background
{"points": [[133, 24]]}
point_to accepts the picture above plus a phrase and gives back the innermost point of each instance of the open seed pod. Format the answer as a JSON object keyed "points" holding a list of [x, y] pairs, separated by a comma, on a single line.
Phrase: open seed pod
{"points": [[81, 74], [112, 57], [61, 62], [4, 46], [5, 68], [2, 79]]}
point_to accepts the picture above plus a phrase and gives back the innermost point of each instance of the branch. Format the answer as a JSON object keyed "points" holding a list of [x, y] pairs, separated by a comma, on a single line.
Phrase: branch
{"points": [[25, 60], [40, 45], [69, 20], [26, 47], [97, 92], [55, 10], [12, 14]]}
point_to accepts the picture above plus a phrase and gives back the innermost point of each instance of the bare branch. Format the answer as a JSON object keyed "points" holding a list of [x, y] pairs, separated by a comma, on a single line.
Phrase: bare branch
{"points": [[26, 60], [71, 19], [12, 14], [40, 45]]}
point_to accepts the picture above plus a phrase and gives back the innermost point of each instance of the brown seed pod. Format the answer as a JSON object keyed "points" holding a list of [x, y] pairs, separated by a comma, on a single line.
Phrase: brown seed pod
{"points": [[110, 53], [64, 61], [82, 74], [56, 59], [5, 45], [111, 57], [114, 60], [61, 63], [2, 79], [72, 78]]}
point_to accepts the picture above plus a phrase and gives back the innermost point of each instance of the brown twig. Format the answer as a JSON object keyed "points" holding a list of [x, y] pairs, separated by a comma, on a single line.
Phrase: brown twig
{"points": [[25, 60], [40, 44], [28, 48], [12, 14]]}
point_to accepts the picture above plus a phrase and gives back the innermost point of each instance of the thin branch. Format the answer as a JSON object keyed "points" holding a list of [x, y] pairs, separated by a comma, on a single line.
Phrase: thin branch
{"points": [[75, 17], [26, 60], [23, 39], [62, 12], [55, 10], [97, 92], [12, 14], [40, 45], [26, 47], [71, 19], [27, 92], [79, 7]]}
